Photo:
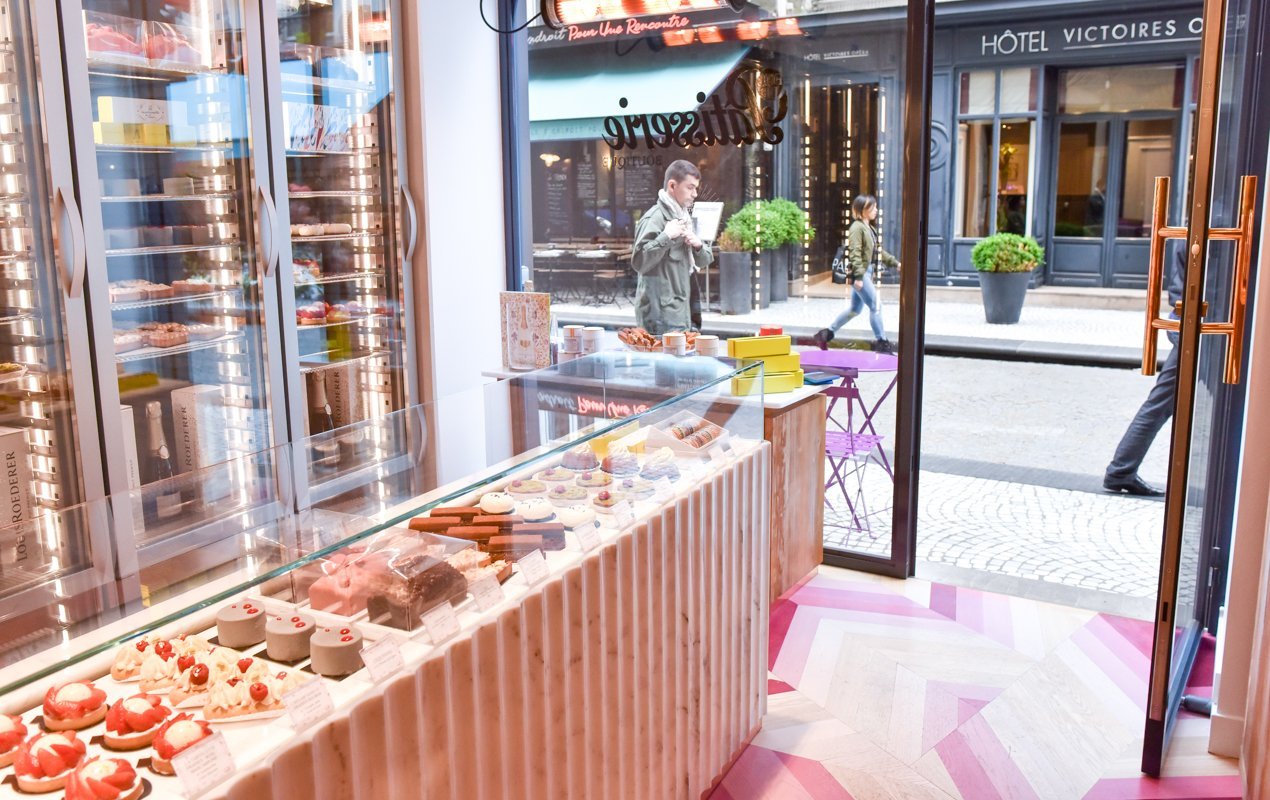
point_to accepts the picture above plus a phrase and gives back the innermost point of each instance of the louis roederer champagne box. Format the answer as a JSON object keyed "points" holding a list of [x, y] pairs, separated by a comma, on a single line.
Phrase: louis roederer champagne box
{"points": [[348, 404], [198, 424], [18, 501]]}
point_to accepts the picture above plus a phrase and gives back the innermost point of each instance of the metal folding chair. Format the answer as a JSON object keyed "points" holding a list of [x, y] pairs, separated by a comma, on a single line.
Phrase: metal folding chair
{"points": [[848, 454]]}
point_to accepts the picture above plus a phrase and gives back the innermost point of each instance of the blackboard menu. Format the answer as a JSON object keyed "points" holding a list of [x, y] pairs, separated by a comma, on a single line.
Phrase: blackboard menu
{"points": [[559, 204], [640, 188]]}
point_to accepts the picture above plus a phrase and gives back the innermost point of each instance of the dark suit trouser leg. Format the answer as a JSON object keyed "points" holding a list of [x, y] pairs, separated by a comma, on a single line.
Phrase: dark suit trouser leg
{"points": [[1146, 424]]}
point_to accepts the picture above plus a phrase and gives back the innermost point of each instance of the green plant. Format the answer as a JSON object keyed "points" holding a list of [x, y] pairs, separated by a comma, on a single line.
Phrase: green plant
{"points": [[1007, 252], [769, 225], [729, 242]]}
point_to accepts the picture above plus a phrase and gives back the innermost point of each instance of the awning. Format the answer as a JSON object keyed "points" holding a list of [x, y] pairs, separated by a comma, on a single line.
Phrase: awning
{"points": [[570, 93]]}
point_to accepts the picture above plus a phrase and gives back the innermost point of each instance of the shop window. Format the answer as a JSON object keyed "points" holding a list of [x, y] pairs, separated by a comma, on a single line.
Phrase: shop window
{"points": [[1080, 192], [995, 170], [1150, 146], [1149, 87]]}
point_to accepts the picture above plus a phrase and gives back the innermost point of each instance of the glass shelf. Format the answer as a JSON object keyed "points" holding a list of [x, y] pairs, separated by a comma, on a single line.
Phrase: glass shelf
{"points": [[171, 301], [145, 353], [106, 68], [365, 151], [166, 249], [349, 321], [334, 193], [319, 362], [168, 198], [15, 318], [336, 237], [171, 148], [325, 279]]}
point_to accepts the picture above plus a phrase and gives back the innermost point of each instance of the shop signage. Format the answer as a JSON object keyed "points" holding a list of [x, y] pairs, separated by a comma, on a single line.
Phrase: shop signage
{"points": [[1078, 37], [838, 55], [747, 110], [588, 405], [609, 30]]}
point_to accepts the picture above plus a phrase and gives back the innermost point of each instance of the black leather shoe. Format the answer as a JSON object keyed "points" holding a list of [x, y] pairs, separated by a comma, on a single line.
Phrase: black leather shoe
{"points": [[883, 346], [822, 338], [1132, 485]]}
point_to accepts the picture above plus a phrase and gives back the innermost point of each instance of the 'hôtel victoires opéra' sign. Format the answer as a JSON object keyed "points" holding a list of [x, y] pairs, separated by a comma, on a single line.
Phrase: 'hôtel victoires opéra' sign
{"points": [[749, 109]]}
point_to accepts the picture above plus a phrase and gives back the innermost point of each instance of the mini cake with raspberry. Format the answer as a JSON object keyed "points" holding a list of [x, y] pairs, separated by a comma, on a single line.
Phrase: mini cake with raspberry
{"points": [[128, 660], [336, 651], [526, 487], [241, 624], [73, 706], [606, 500], [45, 761], [160, 668], [237, 697], [554, 475], [594, 480], [104, 779], [565, 496], [12, 732], [287, 636], [177, 734], [197, 673], [132, 722]]}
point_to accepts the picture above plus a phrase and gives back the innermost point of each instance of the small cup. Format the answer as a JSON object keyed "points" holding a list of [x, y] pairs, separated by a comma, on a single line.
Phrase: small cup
{"points": [[572, 332], [707, 345], [674, 343]]}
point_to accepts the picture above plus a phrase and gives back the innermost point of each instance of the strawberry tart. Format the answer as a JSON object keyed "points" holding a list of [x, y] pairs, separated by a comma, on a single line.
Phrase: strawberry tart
{"points": [[45, 761], [12, 732], [104, 779], [132, 722], [175, 735], [73, 706], [237, 697]]}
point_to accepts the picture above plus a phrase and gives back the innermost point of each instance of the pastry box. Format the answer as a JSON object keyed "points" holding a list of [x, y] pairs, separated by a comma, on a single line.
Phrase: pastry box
{"points": [[113, 39], [685, 434]]}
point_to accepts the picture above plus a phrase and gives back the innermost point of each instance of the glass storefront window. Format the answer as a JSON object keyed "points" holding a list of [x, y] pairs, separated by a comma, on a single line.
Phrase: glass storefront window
{"points": [[994, 156], [1014, 177], [974, 179], [1147, 87], [1080, 192], [1019, 90], [1150, 149]]}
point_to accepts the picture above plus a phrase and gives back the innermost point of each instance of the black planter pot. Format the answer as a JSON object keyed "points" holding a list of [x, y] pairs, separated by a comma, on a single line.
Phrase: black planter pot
{"points": [[1003, 294], [776, 271], [736, 283]]}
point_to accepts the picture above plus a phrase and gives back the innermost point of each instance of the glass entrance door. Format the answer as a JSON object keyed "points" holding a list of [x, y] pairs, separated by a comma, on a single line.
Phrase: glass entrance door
{"points": [[1217, 237]]}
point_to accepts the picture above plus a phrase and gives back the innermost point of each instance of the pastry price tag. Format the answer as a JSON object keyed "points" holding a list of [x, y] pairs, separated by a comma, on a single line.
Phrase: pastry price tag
{"points": [[588, 537], [308, 704], [717, 453], [624, 514], [204, 765], [662, 490], [534, 568], [383, 659], [487, 593], [442, 623]]}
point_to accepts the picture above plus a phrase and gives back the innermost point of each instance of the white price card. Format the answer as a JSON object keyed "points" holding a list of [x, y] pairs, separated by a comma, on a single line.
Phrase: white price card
{"points": [[204, 765], [487, 593], [717, 453], [588, 537], [534, 568], [624, 514], [442, 623], [383, 659], [662, 490], [308, 704]]}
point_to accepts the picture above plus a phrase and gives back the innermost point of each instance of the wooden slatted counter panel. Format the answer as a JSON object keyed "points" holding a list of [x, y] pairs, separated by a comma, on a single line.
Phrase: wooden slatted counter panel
{"points": [[639, 672]]}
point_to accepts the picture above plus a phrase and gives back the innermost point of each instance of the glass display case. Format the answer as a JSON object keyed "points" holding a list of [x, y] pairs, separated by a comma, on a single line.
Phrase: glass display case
{"points": [[416, 546]]}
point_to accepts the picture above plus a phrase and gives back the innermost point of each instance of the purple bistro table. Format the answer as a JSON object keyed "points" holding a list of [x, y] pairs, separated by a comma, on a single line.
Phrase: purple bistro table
{"points": [[849, 364]]}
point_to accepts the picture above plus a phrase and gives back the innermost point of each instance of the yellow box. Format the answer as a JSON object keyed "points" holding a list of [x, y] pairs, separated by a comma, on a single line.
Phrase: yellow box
{"points": [[773, 383], [125, 133], [131, 109], [759, 346], [600, 444], [789, 362], [154, 135]]}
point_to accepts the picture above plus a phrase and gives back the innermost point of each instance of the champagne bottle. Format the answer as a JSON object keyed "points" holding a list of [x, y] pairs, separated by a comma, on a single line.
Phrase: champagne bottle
{"points": [[164, 501], [326, 450]]}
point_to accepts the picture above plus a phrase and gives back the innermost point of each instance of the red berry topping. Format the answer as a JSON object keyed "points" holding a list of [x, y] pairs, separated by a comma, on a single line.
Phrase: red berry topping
{"points": [[345, 630], [259, 692], [604, 495], [142, 645], [198, 674], [244, 664], [295, 619], [299, 624], [246, 605], [328, 630], [586, 476], [282, 675], [234, 681], [253, 611], [184, 662], [346, 638], [164, 649]]}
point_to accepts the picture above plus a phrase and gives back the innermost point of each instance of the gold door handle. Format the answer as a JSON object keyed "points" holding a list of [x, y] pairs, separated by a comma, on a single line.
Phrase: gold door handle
{"points": [[1233, 330]]}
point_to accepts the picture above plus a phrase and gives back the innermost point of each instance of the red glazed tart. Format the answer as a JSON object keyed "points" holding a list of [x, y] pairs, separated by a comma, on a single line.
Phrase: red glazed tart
{"points": [[12, 732], [175, 735], [73, 706], [132, 722], [45, 761], [104, 779]]}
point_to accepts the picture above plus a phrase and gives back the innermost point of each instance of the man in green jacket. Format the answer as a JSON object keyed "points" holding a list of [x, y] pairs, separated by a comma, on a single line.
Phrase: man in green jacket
{"points": [[666, 252]]}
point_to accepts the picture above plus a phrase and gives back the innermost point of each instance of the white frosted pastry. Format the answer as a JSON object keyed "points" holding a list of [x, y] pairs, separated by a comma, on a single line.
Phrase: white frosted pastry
{"points": [[497, 503], [130, 657], [575, 517], [158, 672], [470, 558], [535, 510]]}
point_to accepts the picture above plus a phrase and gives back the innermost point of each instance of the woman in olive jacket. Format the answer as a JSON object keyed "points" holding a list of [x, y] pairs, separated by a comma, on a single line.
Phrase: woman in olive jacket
{"points": [[862, 250]]}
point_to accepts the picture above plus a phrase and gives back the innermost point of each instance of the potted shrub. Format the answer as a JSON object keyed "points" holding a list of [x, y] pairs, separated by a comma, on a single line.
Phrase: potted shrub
{"points": [[774, 228], [736, 265], [1005, 262]]}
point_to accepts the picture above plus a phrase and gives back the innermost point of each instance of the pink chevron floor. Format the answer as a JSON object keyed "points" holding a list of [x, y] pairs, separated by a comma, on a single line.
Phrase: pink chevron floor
{"points": [[908, 689]]}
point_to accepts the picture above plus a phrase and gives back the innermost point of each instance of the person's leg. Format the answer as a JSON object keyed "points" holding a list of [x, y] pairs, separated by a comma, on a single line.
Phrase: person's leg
{"points": [[1146, 424], [824, 336], [869, 294]]}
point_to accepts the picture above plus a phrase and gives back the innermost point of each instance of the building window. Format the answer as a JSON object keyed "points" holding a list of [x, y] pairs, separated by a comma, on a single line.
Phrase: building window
{"points": [[996, 143]]}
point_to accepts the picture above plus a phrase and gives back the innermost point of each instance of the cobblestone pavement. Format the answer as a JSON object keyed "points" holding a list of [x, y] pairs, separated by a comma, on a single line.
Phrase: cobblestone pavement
{"points": [[1090, 541], [1077, 326]]}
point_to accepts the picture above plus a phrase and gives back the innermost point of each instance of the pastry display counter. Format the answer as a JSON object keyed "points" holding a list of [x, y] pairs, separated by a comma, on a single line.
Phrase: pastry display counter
{"points": [[586, 618]]}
